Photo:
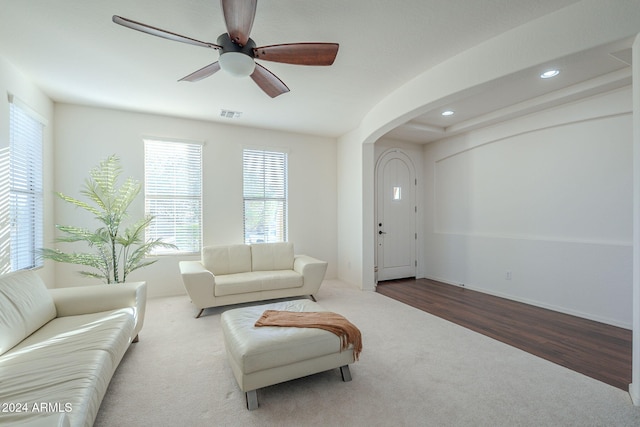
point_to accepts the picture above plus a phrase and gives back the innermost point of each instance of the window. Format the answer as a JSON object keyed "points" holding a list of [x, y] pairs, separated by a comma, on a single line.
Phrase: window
{"points": [[265, 196], [25, 193], [173, 194], [397, 193]]}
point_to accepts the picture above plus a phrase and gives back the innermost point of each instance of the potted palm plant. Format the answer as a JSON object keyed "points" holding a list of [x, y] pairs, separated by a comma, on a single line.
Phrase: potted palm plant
{"points": [[117, 249]]}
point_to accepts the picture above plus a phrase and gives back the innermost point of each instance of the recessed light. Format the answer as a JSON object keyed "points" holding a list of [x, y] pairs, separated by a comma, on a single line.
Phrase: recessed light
{"points": [[550, 73], [447, 113]]}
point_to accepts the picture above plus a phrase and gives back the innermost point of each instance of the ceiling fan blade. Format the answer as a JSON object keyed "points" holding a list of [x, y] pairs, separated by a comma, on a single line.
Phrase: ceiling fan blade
{"points": [[161, 33], [299, 53], [202, 73], [238, 16], [268, 81]]}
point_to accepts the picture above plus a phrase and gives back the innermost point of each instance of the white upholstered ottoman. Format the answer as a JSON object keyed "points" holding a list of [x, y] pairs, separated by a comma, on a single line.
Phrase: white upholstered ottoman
{"points": [[263, 356]]}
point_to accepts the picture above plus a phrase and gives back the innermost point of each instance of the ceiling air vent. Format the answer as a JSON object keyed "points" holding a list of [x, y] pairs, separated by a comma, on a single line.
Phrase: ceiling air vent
{"points": [[228, 114]]}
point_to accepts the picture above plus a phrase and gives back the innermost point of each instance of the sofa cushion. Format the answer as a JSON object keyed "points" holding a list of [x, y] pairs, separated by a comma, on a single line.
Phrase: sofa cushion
{"points": [[272, 256], [229, 259], [74, 382], [109, 331], [68, 361], [25, 305]]}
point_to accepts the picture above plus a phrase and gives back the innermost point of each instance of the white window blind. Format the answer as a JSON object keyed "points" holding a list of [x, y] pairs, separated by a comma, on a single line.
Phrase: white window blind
{"points": [[173, 194], [25, 188], [265, 196]]}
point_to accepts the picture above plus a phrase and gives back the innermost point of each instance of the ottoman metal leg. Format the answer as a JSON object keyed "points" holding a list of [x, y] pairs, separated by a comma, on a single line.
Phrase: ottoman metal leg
{"points": [[346, 373], [252, 400]]}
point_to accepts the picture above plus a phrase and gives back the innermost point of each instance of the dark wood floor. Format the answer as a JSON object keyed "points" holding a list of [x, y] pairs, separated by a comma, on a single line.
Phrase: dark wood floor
{"points": [[600, 351]]}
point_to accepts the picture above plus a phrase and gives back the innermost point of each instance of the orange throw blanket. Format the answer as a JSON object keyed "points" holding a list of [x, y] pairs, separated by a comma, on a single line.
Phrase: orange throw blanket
{"points": [[332, 322]]}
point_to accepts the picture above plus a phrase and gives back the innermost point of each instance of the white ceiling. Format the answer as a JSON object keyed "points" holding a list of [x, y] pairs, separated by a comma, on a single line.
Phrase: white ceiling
{"points": [[584, 74], [74, 52]]}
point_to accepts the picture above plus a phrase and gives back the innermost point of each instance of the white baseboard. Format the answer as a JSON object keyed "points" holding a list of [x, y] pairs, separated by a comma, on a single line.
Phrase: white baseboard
{"points": [[634, 392]]}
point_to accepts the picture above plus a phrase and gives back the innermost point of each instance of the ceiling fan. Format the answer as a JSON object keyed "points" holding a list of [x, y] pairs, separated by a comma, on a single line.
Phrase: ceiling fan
{"points": [[238, 51]]}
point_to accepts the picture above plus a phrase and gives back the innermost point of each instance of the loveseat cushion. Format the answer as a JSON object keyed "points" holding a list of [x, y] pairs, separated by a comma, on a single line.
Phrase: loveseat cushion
{"points": [[229, 259], [25, 305], [272, 256], [257, 281]]}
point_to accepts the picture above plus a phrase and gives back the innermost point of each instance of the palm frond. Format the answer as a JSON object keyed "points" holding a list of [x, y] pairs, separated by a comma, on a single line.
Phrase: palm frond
{"points": [[79, 203], [78, 234], [126, 194], [92, 275], [86, 259], [134, 234]]}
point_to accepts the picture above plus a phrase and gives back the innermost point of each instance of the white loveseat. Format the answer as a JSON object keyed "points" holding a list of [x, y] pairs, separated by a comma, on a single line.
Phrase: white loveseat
{"points": [[60, 347], [234, 274]]}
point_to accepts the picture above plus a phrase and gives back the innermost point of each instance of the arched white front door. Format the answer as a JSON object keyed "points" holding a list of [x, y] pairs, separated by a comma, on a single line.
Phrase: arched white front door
{"points": [[395, 216]]}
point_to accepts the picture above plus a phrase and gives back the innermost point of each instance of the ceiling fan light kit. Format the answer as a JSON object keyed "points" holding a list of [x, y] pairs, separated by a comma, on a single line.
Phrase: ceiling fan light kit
{"points": [[237, 64], [235, 59], [238, 51]]}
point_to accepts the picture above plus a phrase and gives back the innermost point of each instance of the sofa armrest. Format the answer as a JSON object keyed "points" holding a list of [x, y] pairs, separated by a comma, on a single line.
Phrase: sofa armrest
{"points": [[77, 300], [198, 282], [312, 270], [96, 298]]}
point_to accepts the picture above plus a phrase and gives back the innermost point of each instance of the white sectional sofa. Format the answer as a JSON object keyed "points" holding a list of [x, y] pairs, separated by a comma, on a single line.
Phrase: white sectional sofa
{"points": [[234, 274], [60, 347]]}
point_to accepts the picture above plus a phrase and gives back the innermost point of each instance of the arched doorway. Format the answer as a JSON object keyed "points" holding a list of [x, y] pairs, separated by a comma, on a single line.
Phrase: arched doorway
{"points": [[395, 216]]}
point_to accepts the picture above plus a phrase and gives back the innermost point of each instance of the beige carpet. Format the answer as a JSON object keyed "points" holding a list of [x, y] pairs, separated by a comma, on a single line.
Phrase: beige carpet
{"points": [[415, 370]]}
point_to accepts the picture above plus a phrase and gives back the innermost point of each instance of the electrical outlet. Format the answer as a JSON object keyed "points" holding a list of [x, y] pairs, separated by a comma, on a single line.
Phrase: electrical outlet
{"points": [[507, 275]]}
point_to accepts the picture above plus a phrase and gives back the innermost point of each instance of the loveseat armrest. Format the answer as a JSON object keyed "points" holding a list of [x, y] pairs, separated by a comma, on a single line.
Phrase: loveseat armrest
{"points": [[312, 270], [77, 300], [198, 282]]}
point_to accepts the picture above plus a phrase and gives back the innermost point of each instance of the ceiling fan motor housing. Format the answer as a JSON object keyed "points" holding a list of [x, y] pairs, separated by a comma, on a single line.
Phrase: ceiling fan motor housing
{"points": [[229, 45]]}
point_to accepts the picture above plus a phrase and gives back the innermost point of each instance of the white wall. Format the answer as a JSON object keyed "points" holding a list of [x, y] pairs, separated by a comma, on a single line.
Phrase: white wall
{"points": [[84, 136], [349, 210], [547, 197], [14, 82]]}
